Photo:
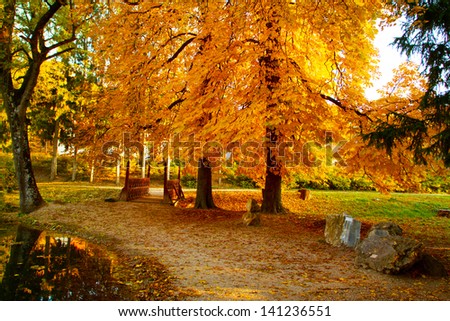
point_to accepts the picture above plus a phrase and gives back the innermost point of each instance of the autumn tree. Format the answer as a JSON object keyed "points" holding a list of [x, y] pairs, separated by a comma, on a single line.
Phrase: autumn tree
{"points": [[31, 33], [271, 72], [283, 71]]}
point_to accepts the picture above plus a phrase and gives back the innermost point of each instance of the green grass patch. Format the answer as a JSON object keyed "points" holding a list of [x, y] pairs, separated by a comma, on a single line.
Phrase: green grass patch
{"points": [[76, 192], [370, 205]]}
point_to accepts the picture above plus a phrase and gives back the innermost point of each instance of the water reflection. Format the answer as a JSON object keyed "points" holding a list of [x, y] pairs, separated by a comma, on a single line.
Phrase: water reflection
{"points": [[49, 267]]}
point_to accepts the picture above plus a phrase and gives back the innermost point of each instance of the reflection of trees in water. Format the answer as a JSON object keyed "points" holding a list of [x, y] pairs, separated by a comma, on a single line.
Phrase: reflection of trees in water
{"points": [[43, 267]]}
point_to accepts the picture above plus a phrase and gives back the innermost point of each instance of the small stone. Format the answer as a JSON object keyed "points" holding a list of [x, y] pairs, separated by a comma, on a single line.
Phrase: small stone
{"points": [[443, 213], [251, 219], [304, 194], [252, 206]]}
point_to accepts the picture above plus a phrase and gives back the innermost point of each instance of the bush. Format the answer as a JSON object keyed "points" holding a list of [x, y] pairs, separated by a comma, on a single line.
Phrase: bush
{"points": [[333, 182], [241, 181], [361, 184], [189, 181]]}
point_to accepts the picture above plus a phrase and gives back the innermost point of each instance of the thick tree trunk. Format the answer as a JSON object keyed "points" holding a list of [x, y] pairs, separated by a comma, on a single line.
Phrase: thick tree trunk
{"points": [[272, 190], [54, 166], [204, 198], [30, 198], [272, 194], [271, 65]]}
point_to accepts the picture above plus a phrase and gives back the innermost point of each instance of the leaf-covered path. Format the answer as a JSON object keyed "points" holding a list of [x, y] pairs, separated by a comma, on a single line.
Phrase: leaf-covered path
{"points": [[213, 256]]}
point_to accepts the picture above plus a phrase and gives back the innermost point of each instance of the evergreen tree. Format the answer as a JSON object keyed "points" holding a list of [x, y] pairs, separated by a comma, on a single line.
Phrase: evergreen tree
{"points": [[426, 32]]}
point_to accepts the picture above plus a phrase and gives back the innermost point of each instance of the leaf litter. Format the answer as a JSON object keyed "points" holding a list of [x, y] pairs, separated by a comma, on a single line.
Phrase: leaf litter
{"points": [[170, 253]]}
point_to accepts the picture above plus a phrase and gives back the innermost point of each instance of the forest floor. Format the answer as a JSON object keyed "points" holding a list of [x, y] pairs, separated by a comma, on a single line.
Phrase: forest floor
{"points": [[171, 253]]}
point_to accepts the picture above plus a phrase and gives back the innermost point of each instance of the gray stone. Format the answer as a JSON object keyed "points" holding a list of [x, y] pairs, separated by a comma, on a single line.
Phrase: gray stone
{"points": [[392, 254], [351, 232], [385, 229], [342, 229]]}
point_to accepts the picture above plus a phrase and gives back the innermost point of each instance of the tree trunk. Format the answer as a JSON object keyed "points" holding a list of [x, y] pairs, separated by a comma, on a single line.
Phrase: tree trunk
{"points": [[272, 190], [272, 193], [91, 180], [204, 198], [16, 101], [271, 63], [166, 197], [54, 166], [74, 164], [30, 197], [118, 163]]}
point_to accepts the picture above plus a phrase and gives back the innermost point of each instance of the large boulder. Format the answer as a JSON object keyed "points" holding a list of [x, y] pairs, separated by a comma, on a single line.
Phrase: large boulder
{"points": [[386, 251]]}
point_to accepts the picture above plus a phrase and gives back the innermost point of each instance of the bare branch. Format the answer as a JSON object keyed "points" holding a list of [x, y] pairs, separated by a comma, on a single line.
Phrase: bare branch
{"points": [[60, 53], [184, 45]]}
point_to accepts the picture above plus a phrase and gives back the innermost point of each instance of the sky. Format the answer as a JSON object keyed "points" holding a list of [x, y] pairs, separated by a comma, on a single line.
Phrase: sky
{"points": [[390, 58]]}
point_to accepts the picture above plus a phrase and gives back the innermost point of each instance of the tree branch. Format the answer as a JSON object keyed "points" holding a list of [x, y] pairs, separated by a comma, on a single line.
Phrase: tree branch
{"points": [[59, 53], [177, 53], [176, 102]]}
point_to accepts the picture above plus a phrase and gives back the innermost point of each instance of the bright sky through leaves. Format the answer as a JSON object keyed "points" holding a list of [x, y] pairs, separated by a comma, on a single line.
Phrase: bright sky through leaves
{"points": [[389, 56]]}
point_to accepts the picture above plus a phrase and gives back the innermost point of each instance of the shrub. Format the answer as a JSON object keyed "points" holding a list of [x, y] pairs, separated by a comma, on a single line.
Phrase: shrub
{"points": [[240, 181], [189, 181]]}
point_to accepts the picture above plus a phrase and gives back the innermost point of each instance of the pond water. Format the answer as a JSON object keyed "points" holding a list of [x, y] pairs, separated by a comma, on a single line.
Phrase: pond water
{"points": [[42, 266]]}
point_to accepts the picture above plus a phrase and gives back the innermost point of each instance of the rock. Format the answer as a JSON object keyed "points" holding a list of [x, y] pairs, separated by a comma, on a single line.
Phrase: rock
{"points": [[392, 254], [342, 229], [385, 229], [333, 229], [430, 266], [351, 232], [304, 194], [252, 206], [251, 219], [443, 213]]}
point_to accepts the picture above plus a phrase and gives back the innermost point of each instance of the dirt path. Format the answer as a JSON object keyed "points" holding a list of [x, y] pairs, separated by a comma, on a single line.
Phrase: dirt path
{"points": [[213, 256]]}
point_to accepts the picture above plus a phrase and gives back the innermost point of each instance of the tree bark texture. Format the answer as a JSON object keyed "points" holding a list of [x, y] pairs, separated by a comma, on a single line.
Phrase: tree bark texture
{"points": [[204, 198], [271, 202], [30, 197]]}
